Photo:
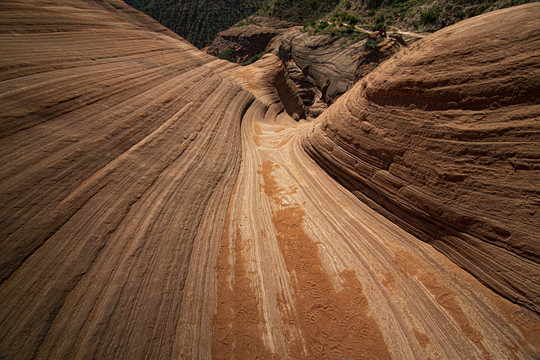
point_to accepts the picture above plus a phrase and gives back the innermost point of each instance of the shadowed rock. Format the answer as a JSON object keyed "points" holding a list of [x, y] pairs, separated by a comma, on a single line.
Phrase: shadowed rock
{"points": [[249, 37]]}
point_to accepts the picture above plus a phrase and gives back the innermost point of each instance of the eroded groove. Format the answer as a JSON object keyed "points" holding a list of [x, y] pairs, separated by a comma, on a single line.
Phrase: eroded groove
{"points": [[160, 203]]}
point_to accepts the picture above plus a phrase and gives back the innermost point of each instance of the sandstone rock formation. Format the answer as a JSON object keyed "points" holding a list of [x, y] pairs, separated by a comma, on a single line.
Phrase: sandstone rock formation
{"points": [[116, 142], [376, 51], [249, 37], [443, 139], [160, 203], [324, 67], [331, 61]]}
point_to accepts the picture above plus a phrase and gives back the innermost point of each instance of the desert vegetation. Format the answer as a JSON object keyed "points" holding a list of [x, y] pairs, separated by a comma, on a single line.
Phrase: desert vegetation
{"points": [[199, 22]]}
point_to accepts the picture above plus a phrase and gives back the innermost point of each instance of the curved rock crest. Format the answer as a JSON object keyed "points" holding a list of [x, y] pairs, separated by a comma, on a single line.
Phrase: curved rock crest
{"points": [[158, 202], [443, 139]]}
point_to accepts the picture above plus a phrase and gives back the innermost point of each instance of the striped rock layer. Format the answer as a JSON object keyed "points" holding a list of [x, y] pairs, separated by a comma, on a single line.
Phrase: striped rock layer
{"points": [[160, 203]]}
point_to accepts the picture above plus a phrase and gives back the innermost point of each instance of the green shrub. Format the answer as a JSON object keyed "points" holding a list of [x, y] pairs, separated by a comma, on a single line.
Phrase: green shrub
{"points": [[430, 16], [379, 22], [371, 45], [229, 54], [347, 30], [337, 15], [323, 25], [348, 5], [254, 58], [343, 16]]}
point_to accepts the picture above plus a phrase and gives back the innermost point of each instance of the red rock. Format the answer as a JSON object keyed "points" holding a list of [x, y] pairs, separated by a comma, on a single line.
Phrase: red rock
{"points": [[157, 202], [432, 139]]}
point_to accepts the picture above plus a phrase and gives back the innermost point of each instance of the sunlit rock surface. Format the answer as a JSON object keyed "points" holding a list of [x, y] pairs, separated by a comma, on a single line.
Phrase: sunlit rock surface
{"points": [[160, 203], [444, 140]]}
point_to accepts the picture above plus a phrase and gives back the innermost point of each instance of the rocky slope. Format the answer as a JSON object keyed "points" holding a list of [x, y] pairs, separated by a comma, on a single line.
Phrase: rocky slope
{"points": [[327, 55], [428, 15], [198, 21], [158, 202], [444, 139], [323, 66], [248, 38], [333, 64]]}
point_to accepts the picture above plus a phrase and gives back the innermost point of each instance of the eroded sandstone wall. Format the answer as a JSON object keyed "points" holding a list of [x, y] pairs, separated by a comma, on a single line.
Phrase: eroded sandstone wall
{"points": [[444, 140], [117, 139]]}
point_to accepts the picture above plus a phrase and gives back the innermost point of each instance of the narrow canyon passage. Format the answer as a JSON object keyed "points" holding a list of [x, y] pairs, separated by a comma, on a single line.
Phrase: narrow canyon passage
{"points": [[160, 203], [307, 269]]}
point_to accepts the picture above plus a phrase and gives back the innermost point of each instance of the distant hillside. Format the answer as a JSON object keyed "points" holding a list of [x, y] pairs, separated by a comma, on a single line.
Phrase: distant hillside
{"points": [[198, 21], [428, 15], [301, 11]]}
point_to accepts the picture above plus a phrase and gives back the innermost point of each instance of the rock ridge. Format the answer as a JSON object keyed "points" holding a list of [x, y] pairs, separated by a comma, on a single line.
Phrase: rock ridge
{"points": [[158, 202], [433, 143]]}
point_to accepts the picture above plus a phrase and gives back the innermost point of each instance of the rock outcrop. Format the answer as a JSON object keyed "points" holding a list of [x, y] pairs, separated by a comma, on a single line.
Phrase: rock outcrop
{"points": [[322, 66], [117, 140], [249, 37], [375, 52], [329, 61], [157, 202], [443, 139], [325, 67]]}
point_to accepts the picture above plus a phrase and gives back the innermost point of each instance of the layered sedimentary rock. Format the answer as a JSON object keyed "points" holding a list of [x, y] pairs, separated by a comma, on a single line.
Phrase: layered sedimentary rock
{"points": [[329, 61], [249, 37], [443, 139], [377, 52], [158, 203], [116, 141]]}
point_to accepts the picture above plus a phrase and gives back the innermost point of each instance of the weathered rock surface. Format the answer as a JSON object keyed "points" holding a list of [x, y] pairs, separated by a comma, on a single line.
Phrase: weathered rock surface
{"points": [[249, 39], [375, 52], [325, 67], [116, 142], [443, 139], [329, 61], [158, 202]]}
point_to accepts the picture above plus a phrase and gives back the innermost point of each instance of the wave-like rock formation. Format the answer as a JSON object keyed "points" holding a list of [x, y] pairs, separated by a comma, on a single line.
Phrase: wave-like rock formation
{"points": [[120, 147], [443, 139], [159, 203]]}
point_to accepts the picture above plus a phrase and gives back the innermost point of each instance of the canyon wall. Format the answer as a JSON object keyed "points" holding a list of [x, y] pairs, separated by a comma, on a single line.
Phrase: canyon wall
{"points": [[443, 139], [158, 202], [120, 146]]}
